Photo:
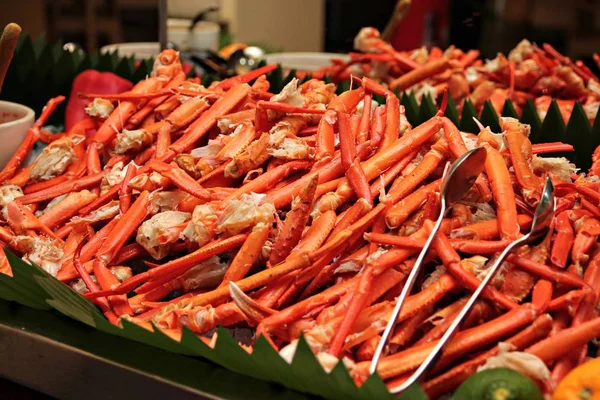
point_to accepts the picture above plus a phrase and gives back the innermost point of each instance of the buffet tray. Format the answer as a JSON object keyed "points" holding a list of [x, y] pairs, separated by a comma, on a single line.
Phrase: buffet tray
{"points": [[52, 354]]}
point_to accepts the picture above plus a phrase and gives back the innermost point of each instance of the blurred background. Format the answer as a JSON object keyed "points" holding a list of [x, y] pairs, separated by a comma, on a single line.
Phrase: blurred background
{"points": [[573, 27]]}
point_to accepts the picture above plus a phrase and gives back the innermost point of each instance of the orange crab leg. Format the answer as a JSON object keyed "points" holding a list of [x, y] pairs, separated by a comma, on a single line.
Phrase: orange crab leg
{"points": [[365, 122], [62, 188], [208, 119], [502, 189], [350, 161], [101, 200], [92, 287], [248, 254], [551, 147], [294, 223], [428, 164], [141, 115], [113, 243], [563, 241], [245, 78], [121, 114], [125, 190], [519, 148], [466, 340], [171, 270], [20, 218], [418, 74], [180, 178], [452, 261], [270, 178], [399, 212], [566, 340], [66, 208], [471, 246]]}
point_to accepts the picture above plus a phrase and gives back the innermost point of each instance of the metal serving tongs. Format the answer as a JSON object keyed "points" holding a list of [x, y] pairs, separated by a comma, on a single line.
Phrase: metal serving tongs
{"points": [[457, 181], [544, 214]]}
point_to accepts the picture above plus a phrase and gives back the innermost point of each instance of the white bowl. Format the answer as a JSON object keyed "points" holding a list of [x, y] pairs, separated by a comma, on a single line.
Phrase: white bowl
{"points": [[304, 61], [141, 50], [15, 120]]}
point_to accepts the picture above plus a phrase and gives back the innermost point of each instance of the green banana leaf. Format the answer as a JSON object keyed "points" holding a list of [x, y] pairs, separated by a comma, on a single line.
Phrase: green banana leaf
{"points": [[33, 287]]}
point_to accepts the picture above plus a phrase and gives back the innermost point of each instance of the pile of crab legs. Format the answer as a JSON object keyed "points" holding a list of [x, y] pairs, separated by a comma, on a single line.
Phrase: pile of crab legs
{"points": [[529, 72], [301, 212]]}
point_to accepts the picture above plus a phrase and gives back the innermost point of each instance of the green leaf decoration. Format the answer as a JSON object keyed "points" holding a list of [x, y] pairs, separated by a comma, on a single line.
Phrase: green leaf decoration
{"points": [[125, 69], [275, 79], [467, 124], [553, 127], [509, 110], [427, 109], [291, 75], [26, 59], [22, 287], [489, 117], [33, 287], [579, 135], [411, 108], [452, 112], [342, 87], [65, 69], [531, 117]]}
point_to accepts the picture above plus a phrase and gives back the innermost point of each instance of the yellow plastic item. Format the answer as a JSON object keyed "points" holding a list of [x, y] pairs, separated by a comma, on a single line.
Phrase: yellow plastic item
{"points": [[583, 383]]}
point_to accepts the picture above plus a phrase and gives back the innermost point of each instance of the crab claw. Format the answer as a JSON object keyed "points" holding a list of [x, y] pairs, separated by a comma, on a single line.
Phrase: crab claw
{"points": [[21, 219], [253, 311]]}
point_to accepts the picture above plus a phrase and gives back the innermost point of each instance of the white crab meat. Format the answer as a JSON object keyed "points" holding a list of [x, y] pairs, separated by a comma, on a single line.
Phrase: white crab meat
{"points": [[476, 265], [151, 181], [290, 94], [413, 164], [591, 109], [471, 75], [7, 194], [208, 274], [506, 121], [524, 363], [132, 140], [420, 55], [469, 139], [210, 150], [166, 200], [50, 205], [244, 213], [367, 40], [199, 229], [121, 273], [558, 167], [291, 149], [100, 108], [45, 253], [521, 51], [53, 160], [149, 231], [352, 266], [107, 211], [113, 177], [483, 212], [433, 277]]}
